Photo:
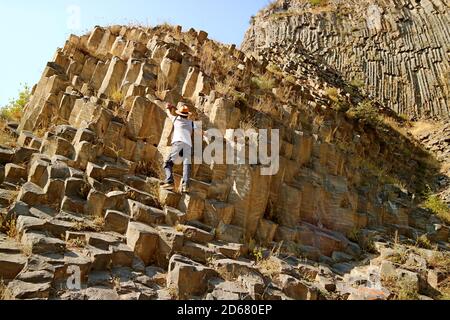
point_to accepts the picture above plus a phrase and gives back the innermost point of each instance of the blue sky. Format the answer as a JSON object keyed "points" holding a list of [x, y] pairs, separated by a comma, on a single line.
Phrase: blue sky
{"points": [[32, 30]]}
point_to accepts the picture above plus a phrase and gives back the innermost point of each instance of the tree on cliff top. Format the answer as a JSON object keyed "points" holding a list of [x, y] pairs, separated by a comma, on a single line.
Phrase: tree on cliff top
{"points": [[14, 109]]}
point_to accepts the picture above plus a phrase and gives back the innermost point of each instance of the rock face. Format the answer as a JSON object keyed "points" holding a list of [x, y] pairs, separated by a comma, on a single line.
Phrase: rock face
{"points": [[81, 204], [397, 50]]}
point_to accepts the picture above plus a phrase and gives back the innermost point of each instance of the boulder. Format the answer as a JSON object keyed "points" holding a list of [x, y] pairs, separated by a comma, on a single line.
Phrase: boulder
{"points": [[295, 288], [170, 242], [193, 206], [122, 255], [196, 235], [26, 290], [15, 173], [143, 240], [187, 277], [39, 243], [230, 233], [11, 265], [231, 269], [145, 214], [116, 221]]}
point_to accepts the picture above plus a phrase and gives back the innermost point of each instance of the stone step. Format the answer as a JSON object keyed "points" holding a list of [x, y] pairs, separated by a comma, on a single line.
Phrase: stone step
{"points": [[21, 290], [230, 233], [116, 221], [194, 234], [142, 197], [38, 242], [198, 252], [7, 197], [54, 227], [36, 277], [25, 138], [103, 240], [74, 204], [11, 264], [187, 277], [15, 174], [6, 155], [146, 214], [9, 186], [100, 259]]}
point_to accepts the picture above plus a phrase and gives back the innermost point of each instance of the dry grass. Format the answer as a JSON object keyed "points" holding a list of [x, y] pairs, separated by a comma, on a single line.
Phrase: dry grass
{"points": [[248, 123], [150, 169], [27, 250], [440, 261], [420, 127], [215, 60], [6, 139], [269, 267], [162, 85], [180, 228], [76, 243], [80, 226], [99, 223], [173, 292], [265, 82], [10, 228], [401, 289], [399, 257], [117, 96], [5, 293], [445, 290]]}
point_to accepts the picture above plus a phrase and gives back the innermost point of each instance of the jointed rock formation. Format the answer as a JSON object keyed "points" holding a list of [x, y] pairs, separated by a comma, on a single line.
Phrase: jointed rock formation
{"points": [[81, 190], [396, 49]]}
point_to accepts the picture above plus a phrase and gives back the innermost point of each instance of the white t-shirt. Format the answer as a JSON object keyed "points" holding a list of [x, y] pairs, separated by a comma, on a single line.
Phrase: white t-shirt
{"points": [[183, 128]]}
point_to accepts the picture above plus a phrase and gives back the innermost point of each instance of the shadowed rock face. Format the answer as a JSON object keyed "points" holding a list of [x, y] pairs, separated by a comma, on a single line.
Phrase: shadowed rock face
{"points": [[396, 49]]}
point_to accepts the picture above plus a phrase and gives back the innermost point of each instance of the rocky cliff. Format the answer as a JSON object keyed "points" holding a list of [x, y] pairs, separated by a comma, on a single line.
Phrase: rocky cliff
{"points": [[396, 50], [80, 193]]}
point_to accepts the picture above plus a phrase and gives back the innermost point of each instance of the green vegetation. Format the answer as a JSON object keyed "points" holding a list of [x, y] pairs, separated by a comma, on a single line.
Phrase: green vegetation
{"points": [[318, 3], [358, 83], [117, 96], [365, 240], [274, 69], [438, 207], [332, 93], [14, 109], [366, 112], [405, 290], [424, 242], [264, 82]]}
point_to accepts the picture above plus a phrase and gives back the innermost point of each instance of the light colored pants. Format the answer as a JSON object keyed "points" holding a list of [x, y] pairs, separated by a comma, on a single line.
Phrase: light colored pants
{"points": [[181, 152]]}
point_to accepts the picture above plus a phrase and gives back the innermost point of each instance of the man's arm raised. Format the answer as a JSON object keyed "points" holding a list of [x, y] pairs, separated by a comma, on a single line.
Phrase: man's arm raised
{"points": [[170, 110]]}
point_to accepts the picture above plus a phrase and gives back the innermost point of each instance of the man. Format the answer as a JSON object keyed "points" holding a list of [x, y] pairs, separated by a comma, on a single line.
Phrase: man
{"points": [[183, 129]]}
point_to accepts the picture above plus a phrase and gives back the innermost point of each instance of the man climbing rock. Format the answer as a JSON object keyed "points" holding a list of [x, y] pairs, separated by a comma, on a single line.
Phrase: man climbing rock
{"points": [[181, 151]]}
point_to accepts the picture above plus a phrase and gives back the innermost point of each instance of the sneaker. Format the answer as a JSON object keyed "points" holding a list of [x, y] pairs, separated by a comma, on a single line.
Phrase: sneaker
{"points": [[167, 186]]}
